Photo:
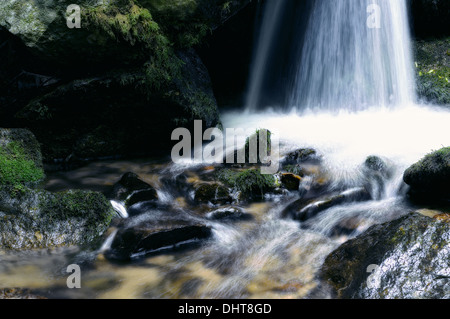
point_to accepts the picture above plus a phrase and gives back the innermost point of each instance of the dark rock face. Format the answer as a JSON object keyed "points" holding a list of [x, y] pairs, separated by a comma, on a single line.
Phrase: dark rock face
{"points": [[118, 85], [405, 258], [155, 235], [430, 178], [430, 17], [301, 156]]}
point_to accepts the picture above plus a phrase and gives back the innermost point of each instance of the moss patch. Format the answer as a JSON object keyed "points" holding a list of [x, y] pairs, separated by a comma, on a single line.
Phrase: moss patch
{"points": [[433, 70], [251, 183]]}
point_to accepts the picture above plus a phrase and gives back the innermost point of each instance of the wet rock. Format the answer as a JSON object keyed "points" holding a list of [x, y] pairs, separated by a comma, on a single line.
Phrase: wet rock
{"points": [[377, 172], [212, 193], [156, 236], [302, 155], [229, 213], [250, 183], [429, 179], [131, 189], [304, 209], [40, 219], [291, 181], [409, 258]]}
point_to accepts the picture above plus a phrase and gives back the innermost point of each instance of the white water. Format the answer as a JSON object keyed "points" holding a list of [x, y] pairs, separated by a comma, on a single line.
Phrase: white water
{"points": [[402, 135], [356, 54]]}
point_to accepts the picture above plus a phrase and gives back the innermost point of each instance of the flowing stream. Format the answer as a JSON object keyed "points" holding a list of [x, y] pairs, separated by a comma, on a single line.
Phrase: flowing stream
{"points": [[351, 96]]}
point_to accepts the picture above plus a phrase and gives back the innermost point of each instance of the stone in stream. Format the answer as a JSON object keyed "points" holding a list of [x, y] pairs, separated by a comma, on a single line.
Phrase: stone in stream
{"points": [[303, 210], [131, 189], [156, 235], [429, 179], [229, 214], [212, 193], [303, 155], [291, 181], [401, 259]]}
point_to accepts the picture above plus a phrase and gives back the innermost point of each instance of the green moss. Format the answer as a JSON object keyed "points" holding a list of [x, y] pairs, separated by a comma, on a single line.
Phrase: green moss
{"points": [[134, 25], [249, 182], [16, 168], [433, 70]]}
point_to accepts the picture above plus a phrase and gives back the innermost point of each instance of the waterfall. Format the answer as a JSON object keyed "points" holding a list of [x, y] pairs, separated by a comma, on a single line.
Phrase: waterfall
{"points": [[271, 19], [356, 54]]}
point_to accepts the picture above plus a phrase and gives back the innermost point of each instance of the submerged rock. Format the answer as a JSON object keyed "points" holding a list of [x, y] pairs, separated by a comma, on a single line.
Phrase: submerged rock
{"points": [[304, 209], [429, 179], [229, 213], [402, 259], [155, 236], [131, 189]]}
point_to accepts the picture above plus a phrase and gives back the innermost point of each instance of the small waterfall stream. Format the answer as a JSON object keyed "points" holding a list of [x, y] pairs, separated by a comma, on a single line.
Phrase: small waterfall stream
{"points": [[351, 96]]}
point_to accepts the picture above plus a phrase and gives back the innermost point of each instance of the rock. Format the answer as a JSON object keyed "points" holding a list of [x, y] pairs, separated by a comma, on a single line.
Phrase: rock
{"points": [[131, 189], [250, 183], [302, 155], [304, 209], [377, 172], [212, 193], [98, 91], [429, 179], [20, 158], [35, 219], [229, 213], [115, 113], [409, 257], [156, 235], [291, 181]]}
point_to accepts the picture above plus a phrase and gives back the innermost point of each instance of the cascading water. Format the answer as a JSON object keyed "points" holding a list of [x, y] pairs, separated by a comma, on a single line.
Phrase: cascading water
{"points": [[347, 78], [356, 54]]}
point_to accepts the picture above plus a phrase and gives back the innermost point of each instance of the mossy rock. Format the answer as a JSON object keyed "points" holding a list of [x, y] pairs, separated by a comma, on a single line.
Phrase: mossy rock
{"points": [[20, 158], [430, 178], [36, 219], [433, 70], [212, 193], [250, 183], [410, 256]]}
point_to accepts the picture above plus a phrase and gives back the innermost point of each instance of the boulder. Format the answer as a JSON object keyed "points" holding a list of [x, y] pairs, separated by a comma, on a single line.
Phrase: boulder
{"points": [[429, 179], [156, 235], [402, 259], [36, 219]]}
